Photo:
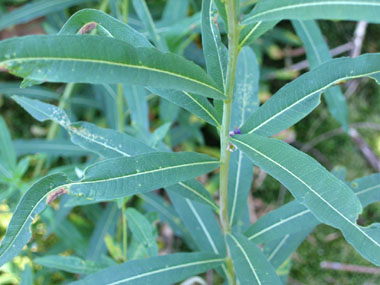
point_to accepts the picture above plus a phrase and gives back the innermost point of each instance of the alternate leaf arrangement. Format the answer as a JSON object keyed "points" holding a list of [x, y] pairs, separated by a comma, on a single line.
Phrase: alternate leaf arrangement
{"points": [[95, 48]]}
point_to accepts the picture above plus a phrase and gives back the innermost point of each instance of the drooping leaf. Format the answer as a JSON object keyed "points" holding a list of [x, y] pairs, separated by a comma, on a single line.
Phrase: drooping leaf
{"points": [[114, 27], [294, 217], [105, 142], [298, 98], [318, 52], [35, 10], [328, 198], [215, 52], [72, 264], [194, 103], [125, 176], [354, 10], [246, 101], [142, 231], [32, 203], [165, 269], [68, 58], [250, 264]]}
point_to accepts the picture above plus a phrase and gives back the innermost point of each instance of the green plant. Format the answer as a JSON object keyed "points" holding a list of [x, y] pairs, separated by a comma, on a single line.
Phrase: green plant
{"points": [[95, 48]]}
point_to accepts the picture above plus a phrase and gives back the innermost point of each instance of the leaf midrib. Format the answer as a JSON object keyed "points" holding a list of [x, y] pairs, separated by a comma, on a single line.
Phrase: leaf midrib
{"points": [[166, 269], [112, 63], [294, 6], [301, 214], [144, 172], [309, 95]]}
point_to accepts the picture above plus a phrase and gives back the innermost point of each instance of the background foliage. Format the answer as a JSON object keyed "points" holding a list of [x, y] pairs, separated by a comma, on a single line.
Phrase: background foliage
{"points": [[70, 229]]}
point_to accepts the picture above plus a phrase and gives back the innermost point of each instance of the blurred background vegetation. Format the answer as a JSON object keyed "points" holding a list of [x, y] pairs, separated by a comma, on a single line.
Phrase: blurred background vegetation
{"points": [[282, 57]]}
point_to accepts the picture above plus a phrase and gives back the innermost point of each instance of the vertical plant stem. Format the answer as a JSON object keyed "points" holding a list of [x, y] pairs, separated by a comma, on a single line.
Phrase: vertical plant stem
{"points": [[233, 52], [103, 5], [125, 10], [125, 231], [120, 108], [53, 129]]}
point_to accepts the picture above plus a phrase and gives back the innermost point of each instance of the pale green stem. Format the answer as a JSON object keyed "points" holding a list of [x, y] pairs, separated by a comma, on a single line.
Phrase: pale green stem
{"points": [[125, 231], [125, 10], [233, 52], [103, 5]]}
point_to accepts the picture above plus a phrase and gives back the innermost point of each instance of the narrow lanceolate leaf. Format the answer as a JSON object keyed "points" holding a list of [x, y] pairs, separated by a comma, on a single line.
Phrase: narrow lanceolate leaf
{"points": [[293, 217], [290, 218], [137, 105], [253, 31], [112, 27], [143, 13], [53, 148], [215, 52], [36, 9], [166, 269], [32, 203], [105, 142], [195, 191], [7, 152], [328, 198], [201, 222], [298, 98], [202, 225], [142, 230], [250, 264], [318, 52], [72, 264], [42, 111], [195, 104], [35, 92], [277, 251], [246, 101], [367, 189], [120, 177], [68, 58], [355, 10]]}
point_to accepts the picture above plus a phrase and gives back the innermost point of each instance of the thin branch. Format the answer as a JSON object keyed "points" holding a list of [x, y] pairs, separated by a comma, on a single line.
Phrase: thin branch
{"points": [[365, 149], [349, 268], [334, 52]]}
